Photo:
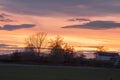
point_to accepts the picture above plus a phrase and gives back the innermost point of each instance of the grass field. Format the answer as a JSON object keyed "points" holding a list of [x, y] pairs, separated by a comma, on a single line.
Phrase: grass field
{"points": [[21, 72]]}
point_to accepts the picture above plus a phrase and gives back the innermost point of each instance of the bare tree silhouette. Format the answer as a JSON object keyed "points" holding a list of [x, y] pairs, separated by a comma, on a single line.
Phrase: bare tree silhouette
{"points": [[101, 48], [35, 42]]}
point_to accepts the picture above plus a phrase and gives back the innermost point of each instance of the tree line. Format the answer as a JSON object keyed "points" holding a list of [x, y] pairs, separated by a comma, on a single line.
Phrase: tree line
{"points": [[60, 53]]}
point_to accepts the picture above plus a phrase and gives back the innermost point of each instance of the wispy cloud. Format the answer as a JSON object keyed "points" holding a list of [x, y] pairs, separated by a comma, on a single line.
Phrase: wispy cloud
{"points": [[5, 18], [96, 25], [79, 19], [6, 45], [15, 27]]}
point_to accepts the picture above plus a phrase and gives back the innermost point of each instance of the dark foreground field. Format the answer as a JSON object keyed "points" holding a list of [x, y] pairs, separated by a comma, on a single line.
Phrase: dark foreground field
{"points": [[23, 72]]}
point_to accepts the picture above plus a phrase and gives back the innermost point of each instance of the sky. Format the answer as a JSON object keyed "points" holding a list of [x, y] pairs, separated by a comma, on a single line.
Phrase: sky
{"points": [[80, 22]]}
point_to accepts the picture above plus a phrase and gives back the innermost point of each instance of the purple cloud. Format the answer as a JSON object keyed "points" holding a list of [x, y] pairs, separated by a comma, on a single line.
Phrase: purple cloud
{"points": [[15, 27], [96, 25]]}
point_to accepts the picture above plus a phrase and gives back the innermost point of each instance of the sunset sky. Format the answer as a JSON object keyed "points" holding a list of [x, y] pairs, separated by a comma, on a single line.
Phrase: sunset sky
{"points": [[81, 22]]}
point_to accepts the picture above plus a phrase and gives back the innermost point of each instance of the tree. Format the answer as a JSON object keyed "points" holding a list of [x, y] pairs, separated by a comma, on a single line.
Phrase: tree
{"points": [[35, 42], [102, 48], [60, 51], [16, 56], [68, 53], [56, 52]]}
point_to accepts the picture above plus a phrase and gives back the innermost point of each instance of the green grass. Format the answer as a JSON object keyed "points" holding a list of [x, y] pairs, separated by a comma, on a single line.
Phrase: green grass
{"points": [[14, 72]]}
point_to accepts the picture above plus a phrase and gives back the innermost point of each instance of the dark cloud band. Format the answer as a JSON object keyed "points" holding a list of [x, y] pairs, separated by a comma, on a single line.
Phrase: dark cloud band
{"points": [[96, 25], [16, 27]]}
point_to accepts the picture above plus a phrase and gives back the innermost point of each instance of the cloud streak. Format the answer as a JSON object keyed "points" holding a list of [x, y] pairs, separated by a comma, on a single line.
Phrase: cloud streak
{"points": [[6, 45], [3, 45], [79, 19], [16, 27], [96, 25], [4, 18]]}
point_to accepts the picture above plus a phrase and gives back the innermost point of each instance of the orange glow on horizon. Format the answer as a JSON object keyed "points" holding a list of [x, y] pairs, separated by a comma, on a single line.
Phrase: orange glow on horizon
{"points": [[52, 25]]}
